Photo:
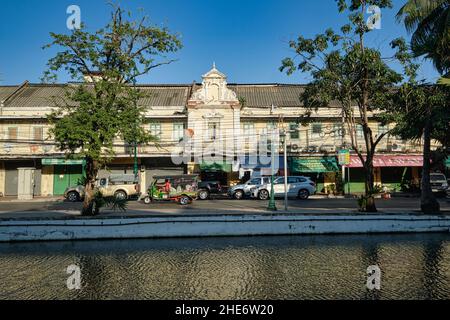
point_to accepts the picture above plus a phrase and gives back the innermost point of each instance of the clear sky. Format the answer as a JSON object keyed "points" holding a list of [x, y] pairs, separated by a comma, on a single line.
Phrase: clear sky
{"points": [[246, 38]]}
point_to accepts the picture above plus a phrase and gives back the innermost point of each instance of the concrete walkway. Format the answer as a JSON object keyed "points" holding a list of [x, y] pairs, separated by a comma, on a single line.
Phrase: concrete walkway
{"points": [[59, 209]]}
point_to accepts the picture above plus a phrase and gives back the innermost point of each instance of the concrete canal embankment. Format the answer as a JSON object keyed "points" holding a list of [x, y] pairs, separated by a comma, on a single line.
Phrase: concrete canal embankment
{"points": [[77, 228]]}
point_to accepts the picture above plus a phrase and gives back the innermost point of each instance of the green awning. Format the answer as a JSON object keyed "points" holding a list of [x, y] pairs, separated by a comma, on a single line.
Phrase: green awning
{"points": [[49, 162], [307, 165], [447, 162], [216, 166]]}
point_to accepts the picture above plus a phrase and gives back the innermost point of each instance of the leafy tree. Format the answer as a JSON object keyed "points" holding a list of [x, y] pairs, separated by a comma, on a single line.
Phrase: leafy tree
{"points": [[348, 72], [423, 111], [105, 106]]}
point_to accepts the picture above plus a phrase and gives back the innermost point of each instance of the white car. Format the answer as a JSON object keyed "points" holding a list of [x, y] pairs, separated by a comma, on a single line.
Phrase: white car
{"points": [[439, 183], [240, 191], [297, 186]]}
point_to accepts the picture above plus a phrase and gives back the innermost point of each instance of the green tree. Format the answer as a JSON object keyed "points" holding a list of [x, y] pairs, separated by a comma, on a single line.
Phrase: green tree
{"points": [[423, 112], [348, 72], [104, 104], [424, 109]]}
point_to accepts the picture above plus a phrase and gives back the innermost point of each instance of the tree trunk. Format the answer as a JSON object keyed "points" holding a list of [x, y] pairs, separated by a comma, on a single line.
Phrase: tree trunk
{"points": [[369, 186], [89, 207], [428, 202]]}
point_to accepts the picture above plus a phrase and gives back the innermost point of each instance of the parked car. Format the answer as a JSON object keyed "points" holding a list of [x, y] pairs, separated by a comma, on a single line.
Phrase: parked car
{"points": [[439, 183], [182, 189], [206, 188], [298, 186], [121, 186], [240, 191]]}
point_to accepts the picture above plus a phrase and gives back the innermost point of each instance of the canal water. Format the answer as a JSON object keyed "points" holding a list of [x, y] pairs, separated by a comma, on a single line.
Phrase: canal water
{"points": [[300, 267]]}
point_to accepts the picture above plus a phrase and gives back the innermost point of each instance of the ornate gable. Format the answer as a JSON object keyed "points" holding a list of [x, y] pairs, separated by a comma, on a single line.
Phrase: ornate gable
{"points": [[214, 90]]}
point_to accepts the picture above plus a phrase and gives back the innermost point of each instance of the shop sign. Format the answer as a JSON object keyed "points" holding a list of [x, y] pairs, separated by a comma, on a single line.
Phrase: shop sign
{"points": [[49, 162]]}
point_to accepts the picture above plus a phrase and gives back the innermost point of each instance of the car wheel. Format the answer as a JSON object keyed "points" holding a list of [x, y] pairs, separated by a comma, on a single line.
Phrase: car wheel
{"points": [[120, 195], [303, 194], [238, 195], [263, 195], [203, 194], [184, 200], [73, 196], [147, 200]]}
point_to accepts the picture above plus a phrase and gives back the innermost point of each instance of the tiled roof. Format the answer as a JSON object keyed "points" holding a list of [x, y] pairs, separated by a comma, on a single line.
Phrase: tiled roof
{"points": [[35, 95], [260, 95], [6, 91], [255, 95], [156, 96]]}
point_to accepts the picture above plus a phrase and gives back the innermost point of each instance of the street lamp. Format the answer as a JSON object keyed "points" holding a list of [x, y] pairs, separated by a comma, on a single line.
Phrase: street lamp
{"points": [[283, 138], [272, 206]]}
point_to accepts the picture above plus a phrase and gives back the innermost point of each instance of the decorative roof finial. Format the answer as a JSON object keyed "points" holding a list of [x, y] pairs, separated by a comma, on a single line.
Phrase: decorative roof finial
{"points": [[214, 65]]}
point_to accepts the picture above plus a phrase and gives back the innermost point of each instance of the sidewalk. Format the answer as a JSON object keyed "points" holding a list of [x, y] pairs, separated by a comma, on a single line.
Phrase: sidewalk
{"points": [[35, 199]]}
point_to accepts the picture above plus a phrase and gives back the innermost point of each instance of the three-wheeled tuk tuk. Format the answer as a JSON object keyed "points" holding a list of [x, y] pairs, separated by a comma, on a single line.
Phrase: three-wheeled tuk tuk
{"points": [[182, 189]]}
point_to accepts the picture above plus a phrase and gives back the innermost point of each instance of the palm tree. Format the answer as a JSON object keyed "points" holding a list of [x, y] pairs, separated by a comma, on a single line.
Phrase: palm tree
{"points": [[429, 23]]}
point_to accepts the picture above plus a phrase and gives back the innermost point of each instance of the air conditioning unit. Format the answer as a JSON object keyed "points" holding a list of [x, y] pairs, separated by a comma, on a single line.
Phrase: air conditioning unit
{"points": [[328, 148], [293, 147], [311, 149]]}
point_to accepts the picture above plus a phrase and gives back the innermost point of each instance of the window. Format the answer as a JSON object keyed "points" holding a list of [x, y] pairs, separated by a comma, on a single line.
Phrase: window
{"points": [[213, 130], [155, 129], [254, 182], [178, 131], [292, 180], [266, 180], [359, 131], [249, 129], [38, 134], [294, 133], [12, 133], [382, 129], [338, 130], [279, 181], [316, 130], [271, 125]]}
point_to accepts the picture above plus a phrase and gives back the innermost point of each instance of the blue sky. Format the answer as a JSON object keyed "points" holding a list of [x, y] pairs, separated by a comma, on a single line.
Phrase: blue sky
{"points": [[246, 38]]}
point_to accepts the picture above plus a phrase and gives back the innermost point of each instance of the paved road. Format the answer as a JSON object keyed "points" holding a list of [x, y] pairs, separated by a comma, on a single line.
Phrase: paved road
{"points": [[218, 206]]}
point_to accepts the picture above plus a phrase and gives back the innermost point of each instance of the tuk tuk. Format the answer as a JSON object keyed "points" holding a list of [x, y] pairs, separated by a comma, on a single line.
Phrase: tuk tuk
{"points": [[182, 189]]}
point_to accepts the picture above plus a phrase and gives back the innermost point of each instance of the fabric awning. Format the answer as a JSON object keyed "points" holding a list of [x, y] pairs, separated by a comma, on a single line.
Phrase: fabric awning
{"points": [[216, 166], [381, 161], [308, 165]]}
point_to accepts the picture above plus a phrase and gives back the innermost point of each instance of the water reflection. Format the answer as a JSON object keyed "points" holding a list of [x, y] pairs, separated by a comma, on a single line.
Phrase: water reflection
{"points": [[312, 267]]}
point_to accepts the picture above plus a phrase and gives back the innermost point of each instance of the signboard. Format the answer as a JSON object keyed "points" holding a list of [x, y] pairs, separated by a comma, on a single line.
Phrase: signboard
{"points": [[49, 162], [344, 157], [314, 165], [389, 161]]}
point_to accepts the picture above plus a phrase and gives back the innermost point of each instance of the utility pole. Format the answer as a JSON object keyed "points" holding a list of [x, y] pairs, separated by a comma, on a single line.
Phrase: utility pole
{"points": [[272, 206], [283, 136]]}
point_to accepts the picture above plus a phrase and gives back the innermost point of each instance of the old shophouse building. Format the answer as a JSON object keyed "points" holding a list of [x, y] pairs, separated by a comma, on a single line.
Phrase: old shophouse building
{"points": [[208, 114]]}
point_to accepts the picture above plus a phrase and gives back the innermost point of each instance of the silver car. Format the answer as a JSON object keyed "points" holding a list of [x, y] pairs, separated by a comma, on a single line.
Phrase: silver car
{"points": [[297, 186], [240, 191], [439, 183]]}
